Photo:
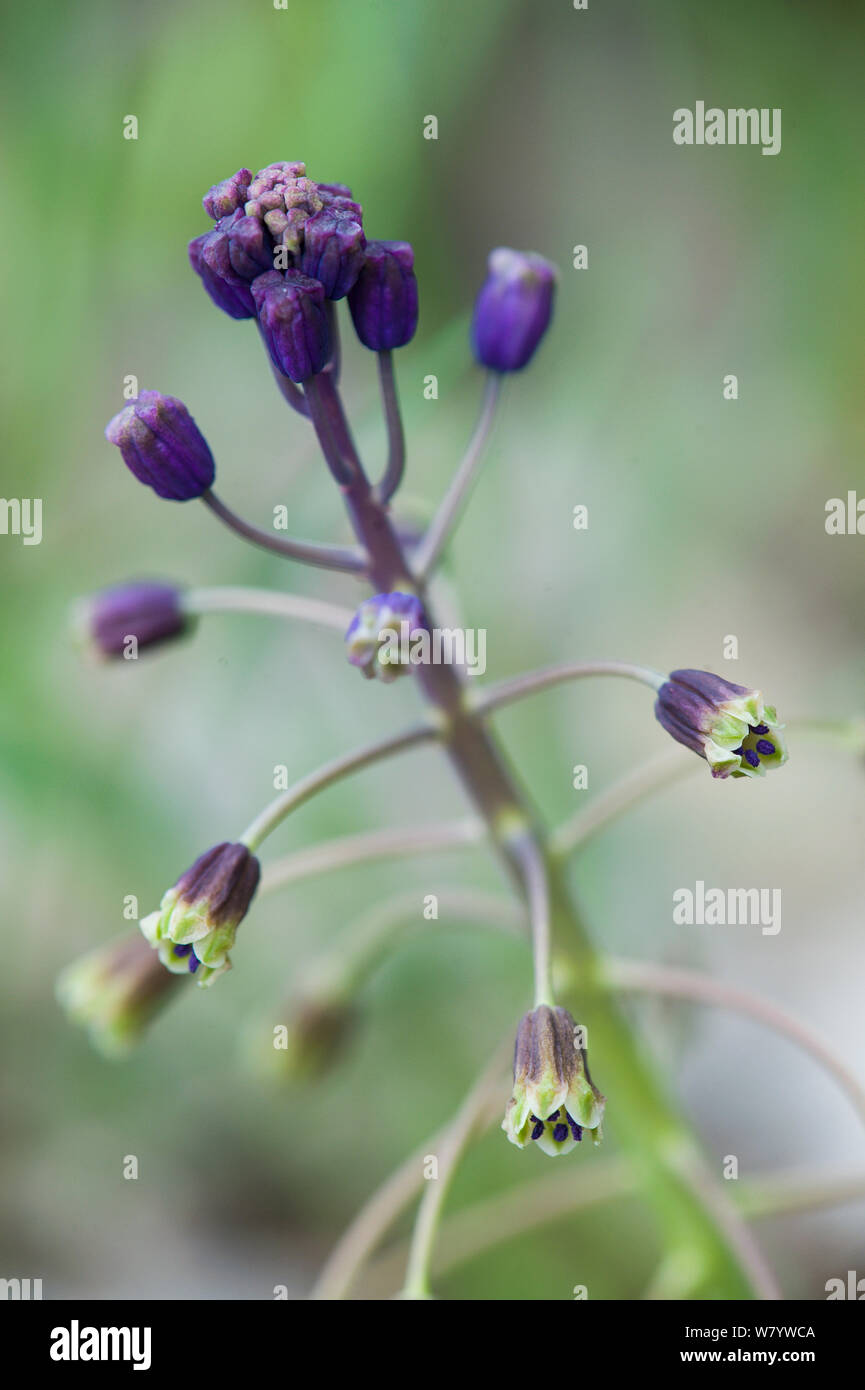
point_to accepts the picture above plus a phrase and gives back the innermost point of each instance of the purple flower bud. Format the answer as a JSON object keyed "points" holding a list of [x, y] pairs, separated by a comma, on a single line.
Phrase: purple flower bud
{"points": [[380, 634], [513, 309], [229, 258], [238, 249], [222, 199], [234, 300], [293, 319], [151, 613], [162, 445], [383, 302], [724, 723], [338, 192], [333, 246]]}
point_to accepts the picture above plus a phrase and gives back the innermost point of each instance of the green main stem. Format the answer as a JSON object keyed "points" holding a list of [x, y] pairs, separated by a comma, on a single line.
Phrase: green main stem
{"points": [[657, 1139]]}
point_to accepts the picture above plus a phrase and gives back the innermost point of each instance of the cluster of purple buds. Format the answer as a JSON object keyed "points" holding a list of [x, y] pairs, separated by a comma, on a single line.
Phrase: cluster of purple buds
{"points": [[282, 246]]}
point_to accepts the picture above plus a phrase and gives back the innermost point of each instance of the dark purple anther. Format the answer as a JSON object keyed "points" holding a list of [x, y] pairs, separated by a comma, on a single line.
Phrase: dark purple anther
{"points": [[293, 319], [194, 963], [383, 300], [751, 758], [560, 1133], [554, 1116], [576, 1130], [538, 1129], [182, 950], [162, 445], [759, 728], [765, 747], [513, 309]]}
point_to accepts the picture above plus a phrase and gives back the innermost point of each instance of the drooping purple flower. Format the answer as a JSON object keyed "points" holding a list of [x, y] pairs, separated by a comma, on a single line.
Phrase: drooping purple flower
{"points": [[151, 613], [294, 322], [162, 445], [724, 723], [513, 309], [383, 302]]}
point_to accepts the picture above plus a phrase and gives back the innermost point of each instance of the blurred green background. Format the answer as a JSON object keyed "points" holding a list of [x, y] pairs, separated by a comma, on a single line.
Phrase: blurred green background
{"points": [[706, 519]]}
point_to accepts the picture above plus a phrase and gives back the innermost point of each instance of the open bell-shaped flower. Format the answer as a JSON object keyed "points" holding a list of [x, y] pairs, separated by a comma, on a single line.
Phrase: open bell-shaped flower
{"points": [[554, 1100], [197, 920], [729, 725]]}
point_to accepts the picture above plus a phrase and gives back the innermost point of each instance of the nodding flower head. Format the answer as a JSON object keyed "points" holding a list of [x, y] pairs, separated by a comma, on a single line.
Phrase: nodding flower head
{"points": [[513, 309], [728, 725], [115, 992], [197, 920], [162, 445], [294, 322], [308, 1045], [123, 621], [554, 1100], [383, 302], [380, 634], [277, 219]]}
